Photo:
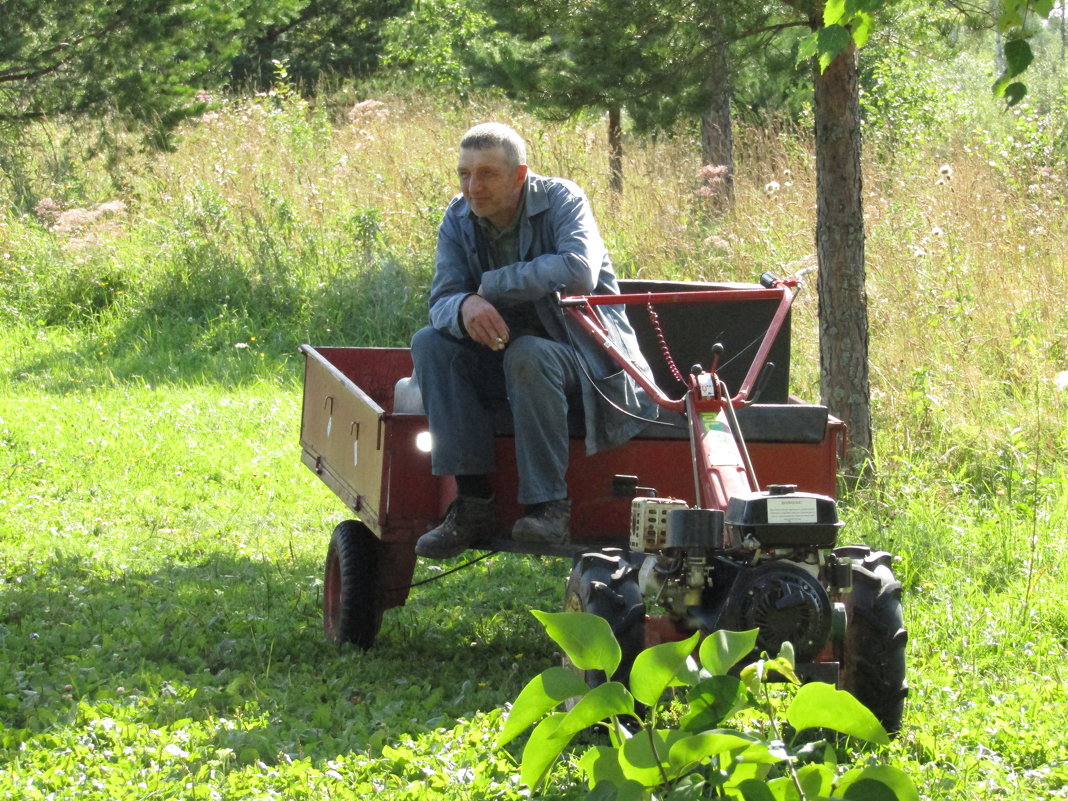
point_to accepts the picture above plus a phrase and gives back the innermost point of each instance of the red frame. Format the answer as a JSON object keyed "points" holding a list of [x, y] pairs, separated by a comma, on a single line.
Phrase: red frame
{"points": [[722, 466]]}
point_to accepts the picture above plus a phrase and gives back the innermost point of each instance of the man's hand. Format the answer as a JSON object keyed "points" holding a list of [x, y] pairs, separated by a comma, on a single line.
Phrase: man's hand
{"points": [[484, 323]]}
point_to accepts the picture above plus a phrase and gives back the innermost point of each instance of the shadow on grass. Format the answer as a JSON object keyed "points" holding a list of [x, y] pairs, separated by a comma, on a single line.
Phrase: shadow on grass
{"points": [[235, 639]]}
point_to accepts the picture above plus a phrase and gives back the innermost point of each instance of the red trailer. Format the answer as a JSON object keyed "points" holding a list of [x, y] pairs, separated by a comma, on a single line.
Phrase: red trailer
{"points": [[722, 514]]}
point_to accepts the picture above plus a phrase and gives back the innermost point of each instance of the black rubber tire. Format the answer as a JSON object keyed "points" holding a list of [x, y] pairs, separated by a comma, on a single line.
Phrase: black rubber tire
{"points": [[352, 604], [873, 651], [604, 583]]}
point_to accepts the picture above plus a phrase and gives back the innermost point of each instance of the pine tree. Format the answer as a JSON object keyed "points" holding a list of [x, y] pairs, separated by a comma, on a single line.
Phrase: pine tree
{"points": [[144, 60]]}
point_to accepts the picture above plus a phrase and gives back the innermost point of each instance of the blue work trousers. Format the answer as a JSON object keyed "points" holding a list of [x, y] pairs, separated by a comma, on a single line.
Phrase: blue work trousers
{"points": [[463, 383]]}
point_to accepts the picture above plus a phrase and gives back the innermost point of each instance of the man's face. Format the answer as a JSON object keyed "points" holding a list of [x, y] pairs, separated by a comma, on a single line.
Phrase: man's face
{"points": [[490, 186]]}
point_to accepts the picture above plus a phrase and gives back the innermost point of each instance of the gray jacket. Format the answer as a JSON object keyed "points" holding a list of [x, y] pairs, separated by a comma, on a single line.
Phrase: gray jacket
{"points": [[560, 247]]}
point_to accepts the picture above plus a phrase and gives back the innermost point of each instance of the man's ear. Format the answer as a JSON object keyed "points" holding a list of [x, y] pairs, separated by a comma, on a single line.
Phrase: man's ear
{"points": [[521, 173]]}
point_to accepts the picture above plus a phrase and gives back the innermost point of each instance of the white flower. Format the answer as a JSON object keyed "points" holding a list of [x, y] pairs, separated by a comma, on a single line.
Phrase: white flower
{"points": [[175, 751], [1061, 381]]}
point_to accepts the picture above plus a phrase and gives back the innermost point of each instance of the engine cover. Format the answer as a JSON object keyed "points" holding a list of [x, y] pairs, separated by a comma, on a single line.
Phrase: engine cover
{"points": [[784, 602], [783, 517]]}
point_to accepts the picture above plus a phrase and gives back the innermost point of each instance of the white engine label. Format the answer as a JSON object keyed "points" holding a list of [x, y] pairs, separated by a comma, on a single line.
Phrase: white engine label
{"points": [[788, 509]]}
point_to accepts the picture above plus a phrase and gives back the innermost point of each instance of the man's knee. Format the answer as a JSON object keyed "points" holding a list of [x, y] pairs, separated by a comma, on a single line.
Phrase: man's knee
{"points": [[425, 339], [531, 360], [432, 347]]}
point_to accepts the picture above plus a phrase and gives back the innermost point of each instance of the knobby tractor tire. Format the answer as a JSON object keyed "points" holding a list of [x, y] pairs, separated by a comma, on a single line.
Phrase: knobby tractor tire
{"points": [[352, 608], [604, 584], [873, 658]]}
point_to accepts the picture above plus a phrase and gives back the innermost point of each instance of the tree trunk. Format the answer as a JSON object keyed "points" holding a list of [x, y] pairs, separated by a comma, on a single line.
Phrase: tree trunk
{"points": [[615, 150], [717, 133], [843, 307]]}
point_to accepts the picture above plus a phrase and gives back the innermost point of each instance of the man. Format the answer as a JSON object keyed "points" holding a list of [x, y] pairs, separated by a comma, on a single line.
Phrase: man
{"points": [[507, 243]]}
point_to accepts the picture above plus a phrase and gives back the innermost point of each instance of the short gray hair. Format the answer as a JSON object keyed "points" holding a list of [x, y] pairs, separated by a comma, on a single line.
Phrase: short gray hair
{"points": [[496, 134]]}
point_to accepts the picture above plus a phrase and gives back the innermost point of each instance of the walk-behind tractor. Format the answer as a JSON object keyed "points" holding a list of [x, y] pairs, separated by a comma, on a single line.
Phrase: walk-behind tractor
{"points": [[720, 515]]}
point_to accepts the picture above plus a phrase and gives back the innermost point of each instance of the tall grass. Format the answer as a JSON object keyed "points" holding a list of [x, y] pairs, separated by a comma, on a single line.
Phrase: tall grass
{"points": [[150, 382]]}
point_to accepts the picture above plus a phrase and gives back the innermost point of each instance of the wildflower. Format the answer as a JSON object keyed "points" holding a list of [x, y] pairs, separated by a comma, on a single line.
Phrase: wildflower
{"points": [[713, 176], [368, 109], [1061, 381], [713, 173], [176, 751], [74, 220], [111, 207], [946, 172], [771, 188], [47, 210]]}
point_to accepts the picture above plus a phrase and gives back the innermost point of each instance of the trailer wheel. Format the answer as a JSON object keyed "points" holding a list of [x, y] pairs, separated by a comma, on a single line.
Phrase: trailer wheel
{"points": [[873, 651], [605, 584], [352, 608]]}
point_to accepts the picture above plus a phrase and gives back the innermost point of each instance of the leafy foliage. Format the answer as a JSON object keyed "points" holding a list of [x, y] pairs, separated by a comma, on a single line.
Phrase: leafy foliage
{"points": [[144, 59], [325, 39], [653, 59], [649, 758], [439, 43]]}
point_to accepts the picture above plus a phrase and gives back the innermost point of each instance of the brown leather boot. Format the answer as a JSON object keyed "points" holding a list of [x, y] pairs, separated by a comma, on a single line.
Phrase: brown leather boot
{"points": [[545, 523], [467, 521]]}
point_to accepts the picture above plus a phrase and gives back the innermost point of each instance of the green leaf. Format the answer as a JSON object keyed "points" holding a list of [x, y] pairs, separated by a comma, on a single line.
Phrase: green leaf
{"points": [[783, 789], [819, 705], [552, 735], [861, 28], [1014, 93], [833, 40], [546, 743], [661, 666], [643, 757], [602, 702], [755, 790], [540, 696], [625, 790], [586, 639], [834, 12], [711, 701], [1018, 56], [871, 784], [753, 675], [722, 650], [693, 788], [1011, 16], [808, 47], [784, 666], [816, 780], [600, 764], [691, 751]]}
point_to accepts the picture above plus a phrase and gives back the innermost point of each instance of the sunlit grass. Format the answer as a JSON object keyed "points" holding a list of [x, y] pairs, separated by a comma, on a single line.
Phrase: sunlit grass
{"points": [[161, 544]]}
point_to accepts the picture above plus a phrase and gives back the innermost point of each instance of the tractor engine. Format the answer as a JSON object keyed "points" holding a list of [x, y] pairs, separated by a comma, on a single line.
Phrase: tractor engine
{"points": [[763, 563]]}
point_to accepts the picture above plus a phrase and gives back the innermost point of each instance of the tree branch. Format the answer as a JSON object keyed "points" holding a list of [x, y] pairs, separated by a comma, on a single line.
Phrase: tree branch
{"points": [[781, 26], [15, 74]]}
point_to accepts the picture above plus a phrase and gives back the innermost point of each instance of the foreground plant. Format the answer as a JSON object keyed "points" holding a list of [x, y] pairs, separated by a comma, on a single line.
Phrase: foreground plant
{"points": [[666, 743]]}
